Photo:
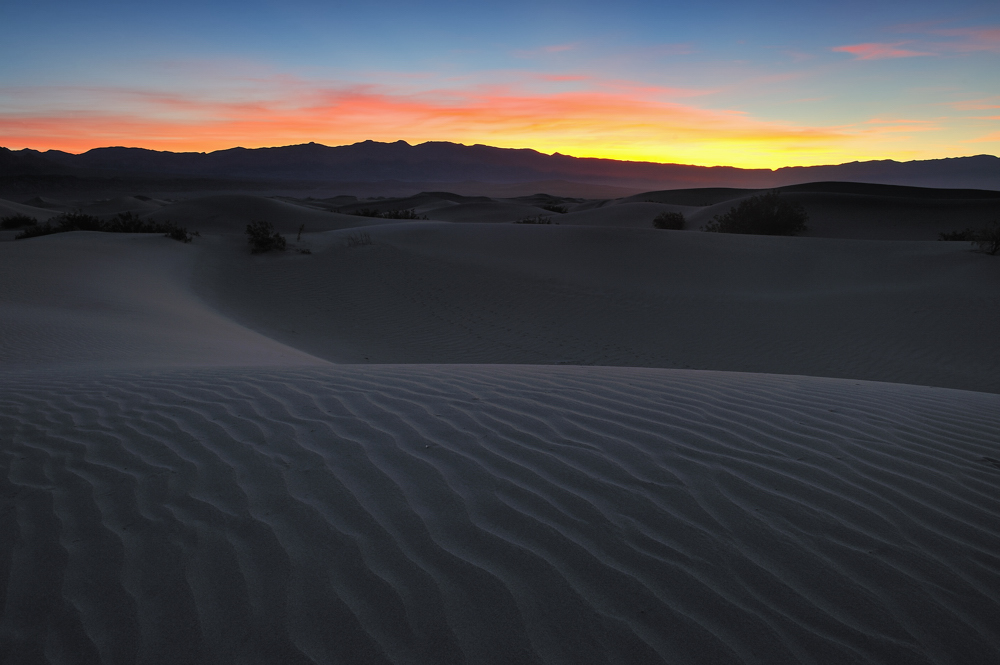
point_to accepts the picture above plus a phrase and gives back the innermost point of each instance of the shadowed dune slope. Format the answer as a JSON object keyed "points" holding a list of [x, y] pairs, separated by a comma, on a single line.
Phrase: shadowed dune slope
{"points": [[866, 217], [424, 292], [705, 196], [700, 196], [232, 212], [421, 202], [486, 212], [110, 300], [9, 208], [625, 215], [496, 515], [114, 206]]}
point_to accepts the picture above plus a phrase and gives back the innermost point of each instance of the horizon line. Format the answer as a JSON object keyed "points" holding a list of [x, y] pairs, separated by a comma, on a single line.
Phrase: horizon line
{"points": [[484, 145]]}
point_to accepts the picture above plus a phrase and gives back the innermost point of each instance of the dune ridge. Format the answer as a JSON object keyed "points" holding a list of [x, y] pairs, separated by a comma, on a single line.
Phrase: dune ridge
{"points": [[496, 514], [109, 300], [431, 292]]}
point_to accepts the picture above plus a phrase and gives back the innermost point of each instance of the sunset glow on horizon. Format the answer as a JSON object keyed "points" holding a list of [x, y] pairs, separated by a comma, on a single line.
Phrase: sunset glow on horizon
{"points": [[714, 85]]}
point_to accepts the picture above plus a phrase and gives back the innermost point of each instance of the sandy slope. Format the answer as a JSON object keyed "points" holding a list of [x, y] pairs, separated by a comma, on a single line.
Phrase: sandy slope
{"points": [[638, 215], [185, 479], [874, 217], [104, 301], [442, 514], [108, 207], [10, 208], [232, 212], [908, 312], [493, 211]]}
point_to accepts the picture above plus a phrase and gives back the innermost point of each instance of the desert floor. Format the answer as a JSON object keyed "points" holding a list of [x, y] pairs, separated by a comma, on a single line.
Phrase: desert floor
{"points": [[462, 439]]}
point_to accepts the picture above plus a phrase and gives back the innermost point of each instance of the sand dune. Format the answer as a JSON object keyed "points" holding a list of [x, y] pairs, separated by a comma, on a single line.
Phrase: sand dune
{"points": [[627, 215], [186, 477], [139, 205], [8, 208], [497, 515], [838, 215], [232, 212], [486, 212], [104, 300], [908, 312]]}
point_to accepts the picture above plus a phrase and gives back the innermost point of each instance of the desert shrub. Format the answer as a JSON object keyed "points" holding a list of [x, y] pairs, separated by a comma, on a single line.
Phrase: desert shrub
{"points": [[764, 214], [263, 238], [967, 235], [562, 210], [401, 214], [540, 219], [17, 221], [125, 222], [987, 239], [178, 233], [77, 221], [36, 230], [673, 221], [389, 214], [359, 239], [129, 222]]}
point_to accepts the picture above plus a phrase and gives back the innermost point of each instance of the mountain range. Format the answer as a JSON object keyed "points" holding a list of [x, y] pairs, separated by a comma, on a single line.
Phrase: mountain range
{"points": [[443, 162]]}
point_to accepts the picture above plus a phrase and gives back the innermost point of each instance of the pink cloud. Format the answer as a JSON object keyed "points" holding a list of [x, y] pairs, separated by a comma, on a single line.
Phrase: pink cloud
{"points": [[558, 78], [959, 40], [971, 39], [876, 51]]}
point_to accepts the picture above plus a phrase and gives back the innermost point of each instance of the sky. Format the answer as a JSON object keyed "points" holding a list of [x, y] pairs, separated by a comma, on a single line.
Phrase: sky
{"points": [[765, 84]]}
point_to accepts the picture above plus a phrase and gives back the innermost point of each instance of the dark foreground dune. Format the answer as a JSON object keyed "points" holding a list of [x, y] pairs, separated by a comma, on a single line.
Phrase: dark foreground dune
{"points": [[188, 476], [444, 514]]}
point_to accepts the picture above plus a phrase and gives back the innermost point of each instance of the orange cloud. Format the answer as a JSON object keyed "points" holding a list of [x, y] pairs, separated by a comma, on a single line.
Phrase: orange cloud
{"points": [[873, 51], [619, 121], [986, 104], [989, 138]]}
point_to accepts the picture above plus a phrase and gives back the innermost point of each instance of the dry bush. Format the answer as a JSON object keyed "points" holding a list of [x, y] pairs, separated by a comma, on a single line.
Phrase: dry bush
{"points": [[17, 221], [987, 239], [672, 221], [764, 214], [359, 240], [389, 214], [124, 222], [263, 238]]}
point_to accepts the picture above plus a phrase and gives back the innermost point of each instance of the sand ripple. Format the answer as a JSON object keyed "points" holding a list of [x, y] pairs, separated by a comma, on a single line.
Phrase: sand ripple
{"points": [[440, 514]]}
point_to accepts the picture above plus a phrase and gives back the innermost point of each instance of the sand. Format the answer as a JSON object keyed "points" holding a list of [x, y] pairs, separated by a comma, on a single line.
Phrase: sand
{"points": [[909, 312], [449, 442]]}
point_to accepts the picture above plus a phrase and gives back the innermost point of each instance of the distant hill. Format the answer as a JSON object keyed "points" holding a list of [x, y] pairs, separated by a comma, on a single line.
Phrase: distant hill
{"points": [[370, 161]]}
